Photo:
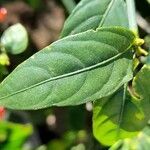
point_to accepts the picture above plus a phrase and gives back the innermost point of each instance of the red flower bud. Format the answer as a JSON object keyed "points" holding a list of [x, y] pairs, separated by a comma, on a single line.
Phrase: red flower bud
{"points": [[3, 13], [2, 112]]}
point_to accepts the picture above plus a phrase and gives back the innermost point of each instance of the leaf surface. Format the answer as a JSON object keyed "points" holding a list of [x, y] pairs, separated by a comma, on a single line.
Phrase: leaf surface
{"points": [[117, 117], [140, 142], [71, 71], [96, 13], [141, 84], [122, 116]]}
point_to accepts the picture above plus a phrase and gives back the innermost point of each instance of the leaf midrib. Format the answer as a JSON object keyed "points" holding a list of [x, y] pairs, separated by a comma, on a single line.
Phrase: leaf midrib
{"points": [[121, 112], [106, 13], [67, 75]]}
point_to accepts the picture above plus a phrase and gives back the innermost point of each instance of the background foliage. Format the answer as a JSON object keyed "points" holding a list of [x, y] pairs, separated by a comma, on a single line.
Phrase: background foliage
{"points": [[66, 127]]}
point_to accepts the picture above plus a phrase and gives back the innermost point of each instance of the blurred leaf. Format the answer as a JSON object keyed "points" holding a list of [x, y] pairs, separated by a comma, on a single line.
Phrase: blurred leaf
{"points": [[91, 14], [56, 145], [79, 147], [42, 147], [99, 69], [13, 136], [35, 4], [117, 117], [141, 142], [148, 1], [15, 39], [72, 137], [4, 59]]}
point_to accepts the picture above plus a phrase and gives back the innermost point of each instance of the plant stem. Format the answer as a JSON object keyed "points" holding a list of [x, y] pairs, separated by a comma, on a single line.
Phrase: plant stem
{"points": [[132, 16], [69, 4]]}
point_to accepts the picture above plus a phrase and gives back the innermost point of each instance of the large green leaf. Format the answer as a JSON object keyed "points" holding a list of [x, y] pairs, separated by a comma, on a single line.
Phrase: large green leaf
{"points": [[141, 142], [71, 71], [91, 14], [117, 117]]}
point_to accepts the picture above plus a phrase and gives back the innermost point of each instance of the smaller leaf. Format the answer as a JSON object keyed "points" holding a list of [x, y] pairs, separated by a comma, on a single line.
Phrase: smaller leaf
{"points": [[117, 117], [15, 39], [4, 59], [141, 142], [141, 85], [13, 136]]}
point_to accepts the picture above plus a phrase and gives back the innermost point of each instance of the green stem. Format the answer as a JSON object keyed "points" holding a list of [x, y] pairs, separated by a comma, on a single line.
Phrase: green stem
{"points": [[69, 4], [132, 15]]}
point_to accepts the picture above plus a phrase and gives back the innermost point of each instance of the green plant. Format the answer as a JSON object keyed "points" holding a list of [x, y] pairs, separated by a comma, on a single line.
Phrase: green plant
{"points": [[12, 136], [98, 58]]}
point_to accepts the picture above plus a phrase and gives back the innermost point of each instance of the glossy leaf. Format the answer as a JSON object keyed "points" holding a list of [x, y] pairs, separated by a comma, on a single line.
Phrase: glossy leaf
{"points": [[71, 71], [141, 142], [96, 13], [117, 117], [13, 136], [15, 39]]}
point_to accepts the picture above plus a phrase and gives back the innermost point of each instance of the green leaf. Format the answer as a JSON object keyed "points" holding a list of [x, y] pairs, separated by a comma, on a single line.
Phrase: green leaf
{"points": [[141, 142], [15, 39], [91, 14], [117, 117], [141, 85], [11, 137], [115, 14], [79, 68]]}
